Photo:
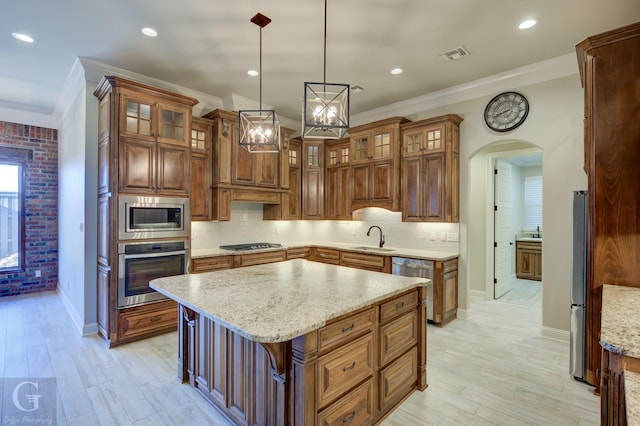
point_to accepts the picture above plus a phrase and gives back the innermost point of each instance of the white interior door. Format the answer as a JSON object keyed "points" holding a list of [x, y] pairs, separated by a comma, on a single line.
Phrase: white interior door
{"points": [[502, 228]]}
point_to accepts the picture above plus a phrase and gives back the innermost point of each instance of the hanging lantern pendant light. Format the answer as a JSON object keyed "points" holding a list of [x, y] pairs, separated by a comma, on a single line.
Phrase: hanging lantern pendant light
{"points": [[326, 105], [259, 130]]}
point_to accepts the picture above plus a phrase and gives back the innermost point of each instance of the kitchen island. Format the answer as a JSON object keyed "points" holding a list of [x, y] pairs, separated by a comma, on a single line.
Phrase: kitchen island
{"points": [[301, 342]]}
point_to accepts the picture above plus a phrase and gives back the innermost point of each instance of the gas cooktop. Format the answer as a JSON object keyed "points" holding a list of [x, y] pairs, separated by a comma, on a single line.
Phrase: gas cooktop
{"points": [[250, 246]]}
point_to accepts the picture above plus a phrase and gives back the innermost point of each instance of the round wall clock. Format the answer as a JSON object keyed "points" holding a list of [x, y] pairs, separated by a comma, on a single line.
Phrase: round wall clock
{"points": [[506, 111]]}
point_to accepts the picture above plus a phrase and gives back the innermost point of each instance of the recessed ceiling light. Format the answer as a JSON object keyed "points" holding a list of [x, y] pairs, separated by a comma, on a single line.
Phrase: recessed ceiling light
{"points": [[527, 24], [22, 37], [149, 32], [396, 71], [252, 73]]}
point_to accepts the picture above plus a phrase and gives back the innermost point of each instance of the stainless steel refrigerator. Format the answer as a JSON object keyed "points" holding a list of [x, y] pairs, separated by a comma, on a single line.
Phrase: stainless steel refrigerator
{"points": [[580, 253]]}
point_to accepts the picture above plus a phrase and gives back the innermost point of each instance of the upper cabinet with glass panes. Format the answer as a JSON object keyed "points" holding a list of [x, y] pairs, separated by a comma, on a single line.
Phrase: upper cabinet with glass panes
{"points": [[373, 144], [146, 117], [423, 140]]}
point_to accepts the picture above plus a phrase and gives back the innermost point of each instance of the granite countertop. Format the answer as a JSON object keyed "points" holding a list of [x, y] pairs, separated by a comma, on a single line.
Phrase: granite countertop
{"points": [[359, 248], [276, 302], [632, 397], [529, 239], [620, 320]]}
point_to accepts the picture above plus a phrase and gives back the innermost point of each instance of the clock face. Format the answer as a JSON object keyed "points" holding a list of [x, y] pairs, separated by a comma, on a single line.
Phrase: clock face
{"points": [[506, 111]]}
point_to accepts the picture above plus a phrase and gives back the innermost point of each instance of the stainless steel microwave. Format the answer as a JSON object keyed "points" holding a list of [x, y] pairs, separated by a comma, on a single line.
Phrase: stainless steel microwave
{"points": [[141, 217]]}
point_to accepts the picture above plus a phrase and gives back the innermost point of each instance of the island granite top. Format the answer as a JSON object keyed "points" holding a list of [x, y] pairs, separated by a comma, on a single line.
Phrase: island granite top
{"points": [[620, 320], [277, 302]]}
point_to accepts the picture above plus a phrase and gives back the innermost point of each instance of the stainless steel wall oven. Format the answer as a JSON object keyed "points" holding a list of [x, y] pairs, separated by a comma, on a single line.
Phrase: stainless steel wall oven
{"points": [[139, 263], [143, 217]]}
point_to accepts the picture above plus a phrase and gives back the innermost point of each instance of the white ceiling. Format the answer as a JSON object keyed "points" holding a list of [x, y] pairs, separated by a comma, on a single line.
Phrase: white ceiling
{"points": [[208, 46]]}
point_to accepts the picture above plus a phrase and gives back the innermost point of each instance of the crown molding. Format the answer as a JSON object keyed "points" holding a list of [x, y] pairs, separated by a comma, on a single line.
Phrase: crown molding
{"points": [[539, 72]]}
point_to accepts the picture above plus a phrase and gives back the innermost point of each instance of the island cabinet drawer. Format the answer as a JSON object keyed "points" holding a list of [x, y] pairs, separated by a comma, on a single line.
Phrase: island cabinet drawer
{"points": [[356, 408], [148, 319], [261, 258], [345, 329], [209, 264], [326, 255], [398, 306], [370, 262], [398, 379], [342, 369], [398, 336]]}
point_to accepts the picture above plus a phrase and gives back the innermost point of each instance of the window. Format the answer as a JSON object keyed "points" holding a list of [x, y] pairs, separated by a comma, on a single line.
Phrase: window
{"points": [[532, 202]]}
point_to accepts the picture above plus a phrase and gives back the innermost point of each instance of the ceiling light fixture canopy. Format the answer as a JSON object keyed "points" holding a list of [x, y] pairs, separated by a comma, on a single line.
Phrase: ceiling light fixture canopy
{"points": [[259, 130], [326, 105]]}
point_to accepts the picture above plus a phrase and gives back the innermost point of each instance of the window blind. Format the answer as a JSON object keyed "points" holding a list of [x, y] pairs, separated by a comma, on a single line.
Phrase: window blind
{"points": [[532, 202]]}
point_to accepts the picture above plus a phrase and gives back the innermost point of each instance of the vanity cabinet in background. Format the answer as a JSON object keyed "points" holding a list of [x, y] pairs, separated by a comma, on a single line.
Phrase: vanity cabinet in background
{"points": [[431, 169], [529, 260]]}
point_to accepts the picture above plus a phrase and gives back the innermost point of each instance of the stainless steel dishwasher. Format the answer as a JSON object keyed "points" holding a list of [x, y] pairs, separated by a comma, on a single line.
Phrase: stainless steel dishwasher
{"points": [[416, 268]]}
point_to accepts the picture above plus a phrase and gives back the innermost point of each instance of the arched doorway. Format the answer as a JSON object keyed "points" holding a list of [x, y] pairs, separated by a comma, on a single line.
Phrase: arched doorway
{"points": [[497, 218]]}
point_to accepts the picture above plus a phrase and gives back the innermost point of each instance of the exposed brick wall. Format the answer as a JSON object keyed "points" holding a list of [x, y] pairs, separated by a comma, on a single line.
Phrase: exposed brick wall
{"points": [[40, 211]]}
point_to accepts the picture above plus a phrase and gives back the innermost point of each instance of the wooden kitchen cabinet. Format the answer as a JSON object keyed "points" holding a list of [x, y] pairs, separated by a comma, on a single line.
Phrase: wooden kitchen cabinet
{"points": [[337, 180], [371, 262], [375, 164], [290, 207], [529, 260], [431, 169], [144, 148], [610, 74], [298, 253], [259, 258], [201, 168], [210, 264], [326, 255], [445, 291], [154, 147], [312, 179]]}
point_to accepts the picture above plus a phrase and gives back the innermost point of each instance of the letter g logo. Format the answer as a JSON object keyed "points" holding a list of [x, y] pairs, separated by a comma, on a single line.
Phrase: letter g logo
{"points": [[32, 398]]}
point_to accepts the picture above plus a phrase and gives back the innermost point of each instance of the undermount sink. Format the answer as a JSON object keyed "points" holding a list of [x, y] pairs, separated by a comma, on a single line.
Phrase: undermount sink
{"points": [[372, 248], [530, 239]]}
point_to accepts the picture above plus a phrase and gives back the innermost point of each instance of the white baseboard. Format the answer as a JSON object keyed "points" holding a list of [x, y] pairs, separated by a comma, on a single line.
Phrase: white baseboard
{"points": [[83, 329], [464, 313], [555, 334], [480, 294]]}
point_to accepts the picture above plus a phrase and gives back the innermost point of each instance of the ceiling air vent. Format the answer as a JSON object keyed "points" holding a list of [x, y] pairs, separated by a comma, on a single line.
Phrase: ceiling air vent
{"points": [[453, 54]]}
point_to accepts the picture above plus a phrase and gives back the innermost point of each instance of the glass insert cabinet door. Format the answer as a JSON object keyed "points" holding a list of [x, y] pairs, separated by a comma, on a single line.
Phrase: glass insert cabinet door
{"points": [[138, 118]]}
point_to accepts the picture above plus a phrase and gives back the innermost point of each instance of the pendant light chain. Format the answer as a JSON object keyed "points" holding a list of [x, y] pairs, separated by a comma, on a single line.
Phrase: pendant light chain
{"points": [[324, 80]]}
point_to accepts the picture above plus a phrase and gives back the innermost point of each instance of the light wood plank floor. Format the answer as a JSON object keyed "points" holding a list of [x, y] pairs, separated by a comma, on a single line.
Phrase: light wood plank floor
{"points": [[491, 369]]}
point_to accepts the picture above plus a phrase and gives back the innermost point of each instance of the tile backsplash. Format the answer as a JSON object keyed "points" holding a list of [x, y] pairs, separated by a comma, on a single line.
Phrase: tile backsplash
{"points": [[246, 225]]}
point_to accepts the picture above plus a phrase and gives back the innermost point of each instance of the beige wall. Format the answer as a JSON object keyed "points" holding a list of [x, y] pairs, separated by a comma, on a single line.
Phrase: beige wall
{"points": [[555, 125]]}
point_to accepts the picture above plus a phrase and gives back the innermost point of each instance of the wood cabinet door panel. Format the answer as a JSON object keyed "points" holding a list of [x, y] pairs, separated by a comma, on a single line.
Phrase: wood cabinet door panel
{"points": [[240, 356], [398, 379], [312, 202], [382, 181], [450, 292], [267, 169], [147, 320], [344, 195], [137, 115], [434, 171], [137, 166], [200, 187], [261, 258], [208, 264], [173, 124], [360, 182], [332, 194], [243, 167], [398, 306], [412, 190], [173, 169], [345, 329], [398, 336], [344, 368], [291, 200], [353, 409]]}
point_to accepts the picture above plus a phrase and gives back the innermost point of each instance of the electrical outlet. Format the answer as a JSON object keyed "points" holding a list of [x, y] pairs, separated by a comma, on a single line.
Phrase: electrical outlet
{"points": [[38, 273], [452, 236], [443, 236], [277, 230], [434, 236]]}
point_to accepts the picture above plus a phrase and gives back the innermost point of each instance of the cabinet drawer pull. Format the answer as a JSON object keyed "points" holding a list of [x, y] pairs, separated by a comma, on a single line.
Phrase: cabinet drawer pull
{"points": [[350, 418], [400, 305], [345, 329], [156, 318], [351, 367]]}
